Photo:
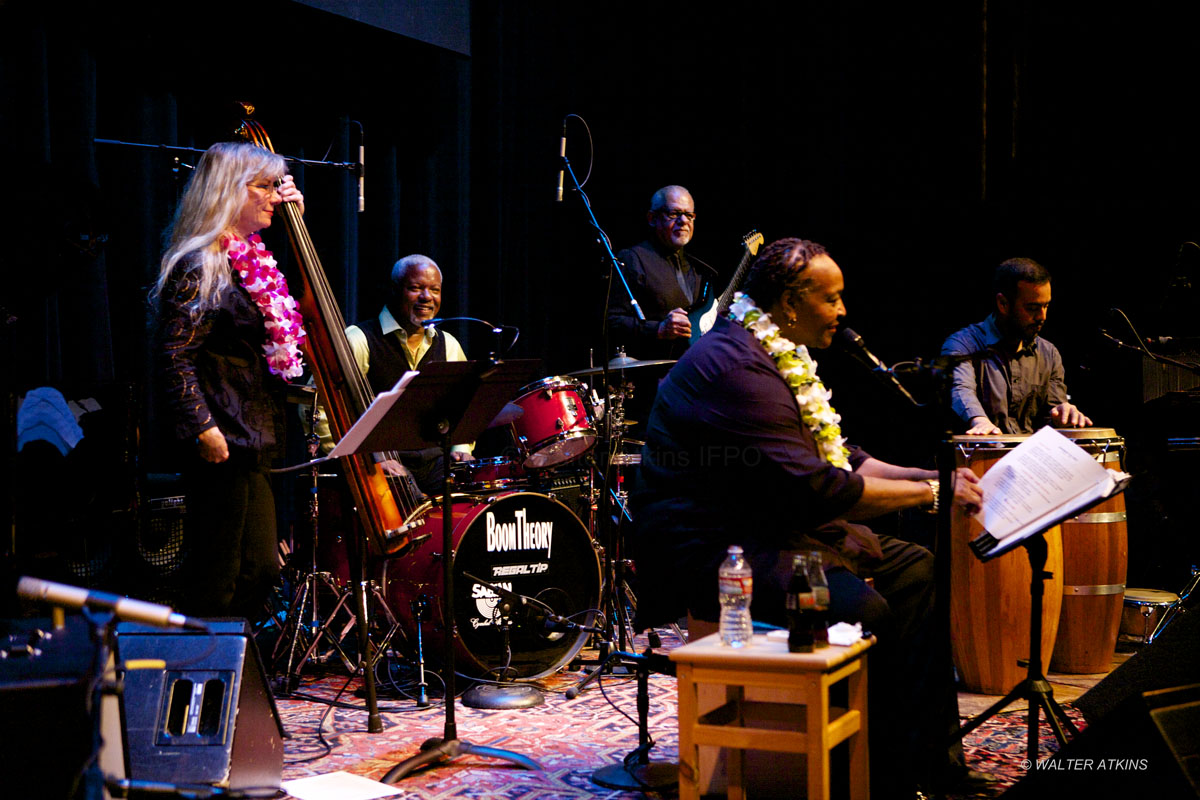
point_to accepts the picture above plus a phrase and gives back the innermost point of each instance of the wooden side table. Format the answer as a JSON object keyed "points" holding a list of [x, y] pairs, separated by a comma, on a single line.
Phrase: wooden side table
{"points": [[785, 681]]}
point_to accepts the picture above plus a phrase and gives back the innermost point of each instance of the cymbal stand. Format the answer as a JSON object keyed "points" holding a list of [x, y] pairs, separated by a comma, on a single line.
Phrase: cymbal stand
{"points": [[300, 623], [616, 597]]}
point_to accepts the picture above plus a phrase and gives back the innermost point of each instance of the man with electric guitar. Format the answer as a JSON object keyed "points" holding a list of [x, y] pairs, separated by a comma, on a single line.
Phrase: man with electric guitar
{"points": [[665, 281], [678, 300]]}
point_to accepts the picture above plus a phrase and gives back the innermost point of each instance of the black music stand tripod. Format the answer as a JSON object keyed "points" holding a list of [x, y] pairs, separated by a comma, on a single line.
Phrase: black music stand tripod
{"points": [[446, 403], [1034, 688]]}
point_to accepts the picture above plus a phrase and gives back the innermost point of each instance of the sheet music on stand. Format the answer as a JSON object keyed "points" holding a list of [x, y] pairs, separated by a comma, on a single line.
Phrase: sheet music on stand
{"points": [[389, 424], [1046, 479]]}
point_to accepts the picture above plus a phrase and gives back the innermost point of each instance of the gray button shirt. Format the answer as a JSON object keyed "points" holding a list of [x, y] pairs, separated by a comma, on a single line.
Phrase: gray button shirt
{"points": [[1016, 391]]}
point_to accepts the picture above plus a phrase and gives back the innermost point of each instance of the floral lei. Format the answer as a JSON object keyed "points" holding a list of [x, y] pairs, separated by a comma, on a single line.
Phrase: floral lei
{"points": [[800, 372], [268, 289]]}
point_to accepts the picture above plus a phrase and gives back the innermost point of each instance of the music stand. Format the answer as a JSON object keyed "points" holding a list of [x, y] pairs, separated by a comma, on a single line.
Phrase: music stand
{"points": [[1034, 688], [445, 403]]}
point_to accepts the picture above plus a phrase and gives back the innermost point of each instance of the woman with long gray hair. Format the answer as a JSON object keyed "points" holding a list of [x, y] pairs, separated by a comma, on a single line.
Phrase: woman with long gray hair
{"points": [[230, 335]]}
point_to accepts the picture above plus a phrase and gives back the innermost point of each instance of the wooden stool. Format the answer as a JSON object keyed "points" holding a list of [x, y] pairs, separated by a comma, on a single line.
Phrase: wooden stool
{"points": [[778, 681]]}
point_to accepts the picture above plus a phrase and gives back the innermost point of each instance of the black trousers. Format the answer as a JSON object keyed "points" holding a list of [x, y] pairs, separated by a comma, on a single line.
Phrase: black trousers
{"points": [[232, 558]]}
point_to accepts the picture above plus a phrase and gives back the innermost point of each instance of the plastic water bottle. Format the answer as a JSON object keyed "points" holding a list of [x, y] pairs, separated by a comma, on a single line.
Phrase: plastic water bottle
{"points": [[736, 588]]}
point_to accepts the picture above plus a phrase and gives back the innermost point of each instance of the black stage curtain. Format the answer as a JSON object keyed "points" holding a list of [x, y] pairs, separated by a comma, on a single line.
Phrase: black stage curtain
{"points": [[922, 144]]}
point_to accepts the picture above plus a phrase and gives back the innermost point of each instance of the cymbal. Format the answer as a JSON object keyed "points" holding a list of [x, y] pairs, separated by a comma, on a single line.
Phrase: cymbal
{"points": [[620, 364], [510, 413], [301, 394]]}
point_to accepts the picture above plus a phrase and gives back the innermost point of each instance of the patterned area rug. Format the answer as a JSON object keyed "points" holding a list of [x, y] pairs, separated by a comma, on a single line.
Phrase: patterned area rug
{"points": [[570, 739]]}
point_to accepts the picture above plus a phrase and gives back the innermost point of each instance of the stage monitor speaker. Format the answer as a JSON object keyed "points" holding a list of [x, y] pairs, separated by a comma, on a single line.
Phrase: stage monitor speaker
{"points": [[1170, 660], [204, 713], [1148, 745]]}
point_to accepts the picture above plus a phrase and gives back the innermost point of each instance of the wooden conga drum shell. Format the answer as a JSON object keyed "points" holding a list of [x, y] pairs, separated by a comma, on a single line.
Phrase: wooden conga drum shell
{"points": [[990, 601], [1095, 559]]}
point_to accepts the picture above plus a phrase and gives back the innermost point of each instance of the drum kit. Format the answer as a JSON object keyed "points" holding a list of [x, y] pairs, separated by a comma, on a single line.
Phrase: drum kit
{"points": [[527, 521]]}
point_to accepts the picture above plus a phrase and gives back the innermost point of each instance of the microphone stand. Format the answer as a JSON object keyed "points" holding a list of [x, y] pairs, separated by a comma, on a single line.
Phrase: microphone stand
{"points": [[612, 601], [637, 772]]}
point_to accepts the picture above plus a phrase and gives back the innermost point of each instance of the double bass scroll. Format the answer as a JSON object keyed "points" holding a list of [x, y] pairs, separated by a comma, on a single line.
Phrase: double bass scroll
{"points": [[384, 503]]}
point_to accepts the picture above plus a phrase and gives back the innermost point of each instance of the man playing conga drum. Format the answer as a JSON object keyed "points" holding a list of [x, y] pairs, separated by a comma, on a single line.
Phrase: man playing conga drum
{"points": [[1014, 381]]}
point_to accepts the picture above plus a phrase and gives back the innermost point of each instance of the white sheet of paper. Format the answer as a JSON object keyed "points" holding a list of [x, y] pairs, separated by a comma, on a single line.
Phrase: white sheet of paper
{"points": [[1040, 475], [366, 423], [338, 786]]}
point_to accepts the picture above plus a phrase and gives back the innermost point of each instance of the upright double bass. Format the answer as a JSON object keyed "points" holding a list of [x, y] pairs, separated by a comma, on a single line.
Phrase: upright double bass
{"points": [[386, 504]]}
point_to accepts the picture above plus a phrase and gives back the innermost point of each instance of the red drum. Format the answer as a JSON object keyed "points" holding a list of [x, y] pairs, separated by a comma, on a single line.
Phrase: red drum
{"points": [[528, 543], [557, 425], [489, 475], [1095, 557], [990, 601]]}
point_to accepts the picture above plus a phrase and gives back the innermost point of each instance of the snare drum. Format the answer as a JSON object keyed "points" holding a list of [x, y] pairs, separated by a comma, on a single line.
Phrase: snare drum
{"points": [[1144, 610], [1095, 558], [489, 475], [557, 425], [990, 601]]}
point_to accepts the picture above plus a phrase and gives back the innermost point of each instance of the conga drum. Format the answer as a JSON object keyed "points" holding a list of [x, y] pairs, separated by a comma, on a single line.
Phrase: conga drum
{"points": [[990, 601], [1095, 557]]}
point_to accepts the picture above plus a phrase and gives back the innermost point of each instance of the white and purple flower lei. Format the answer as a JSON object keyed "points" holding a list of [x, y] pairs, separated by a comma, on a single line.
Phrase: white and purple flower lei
{"points": [[268, 288]]}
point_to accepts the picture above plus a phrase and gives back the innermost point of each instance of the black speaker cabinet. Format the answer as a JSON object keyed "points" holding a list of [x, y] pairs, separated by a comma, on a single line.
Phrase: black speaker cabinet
{"points": [[204, 713], [1148, 746], [47, 736]]}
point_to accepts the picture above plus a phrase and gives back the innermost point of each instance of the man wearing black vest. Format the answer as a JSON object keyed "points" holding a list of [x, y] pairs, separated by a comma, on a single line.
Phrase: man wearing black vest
{"points": [[395, 341]]}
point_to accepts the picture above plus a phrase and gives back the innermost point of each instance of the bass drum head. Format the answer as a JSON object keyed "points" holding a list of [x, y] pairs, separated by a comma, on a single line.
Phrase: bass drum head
{"points": [[531, 545]]}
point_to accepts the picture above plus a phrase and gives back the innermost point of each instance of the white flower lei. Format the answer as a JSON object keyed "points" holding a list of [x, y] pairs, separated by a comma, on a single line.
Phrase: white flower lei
{"points": [[268, 288], [800, 371]]}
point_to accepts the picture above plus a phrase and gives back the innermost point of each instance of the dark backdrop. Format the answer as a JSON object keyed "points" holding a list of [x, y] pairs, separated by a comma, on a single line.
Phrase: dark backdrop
{"points": [[922, 143]]}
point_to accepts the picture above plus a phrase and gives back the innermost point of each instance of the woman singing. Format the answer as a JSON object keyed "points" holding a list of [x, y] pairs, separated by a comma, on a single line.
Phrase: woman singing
{"points": [[230, 336]]}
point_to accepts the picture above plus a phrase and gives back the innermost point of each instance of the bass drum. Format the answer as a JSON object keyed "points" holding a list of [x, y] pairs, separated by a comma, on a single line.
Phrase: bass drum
{"points": [[527, 543]]}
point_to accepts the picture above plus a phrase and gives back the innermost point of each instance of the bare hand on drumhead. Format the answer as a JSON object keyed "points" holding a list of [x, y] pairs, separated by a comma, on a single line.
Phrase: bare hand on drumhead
{"points": [[391, 466], [213, 447], [967, 492], [675, 326], [1066, 415], [461, 455], [289, 192], [982, 426]]}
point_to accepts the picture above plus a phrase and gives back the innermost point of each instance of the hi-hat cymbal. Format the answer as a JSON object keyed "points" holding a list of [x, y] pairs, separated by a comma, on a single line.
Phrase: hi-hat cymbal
{"points": [[620, 364], [510, 413]]}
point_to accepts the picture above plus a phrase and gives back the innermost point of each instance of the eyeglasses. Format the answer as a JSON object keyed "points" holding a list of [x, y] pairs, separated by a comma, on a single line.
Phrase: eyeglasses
{"points": [[674, 214], [265, 188]]}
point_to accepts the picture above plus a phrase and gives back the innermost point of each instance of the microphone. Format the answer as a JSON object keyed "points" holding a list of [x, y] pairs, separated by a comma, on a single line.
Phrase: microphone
{"points": [[123, 608], [362, 168], [540, 614], [858, 349], [562, 156]]}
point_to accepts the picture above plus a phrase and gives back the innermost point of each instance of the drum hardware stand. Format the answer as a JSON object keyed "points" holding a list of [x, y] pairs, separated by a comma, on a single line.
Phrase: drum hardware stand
{"points": [[446, 402], [1035, 688], [1180, 606], [310, 587], [420, 611]]}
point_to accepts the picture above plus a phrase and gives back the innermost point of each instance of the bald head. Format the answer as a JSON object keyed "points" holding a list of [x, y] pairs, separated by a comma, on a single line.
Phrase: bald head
{"points": [[672, 216]]}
